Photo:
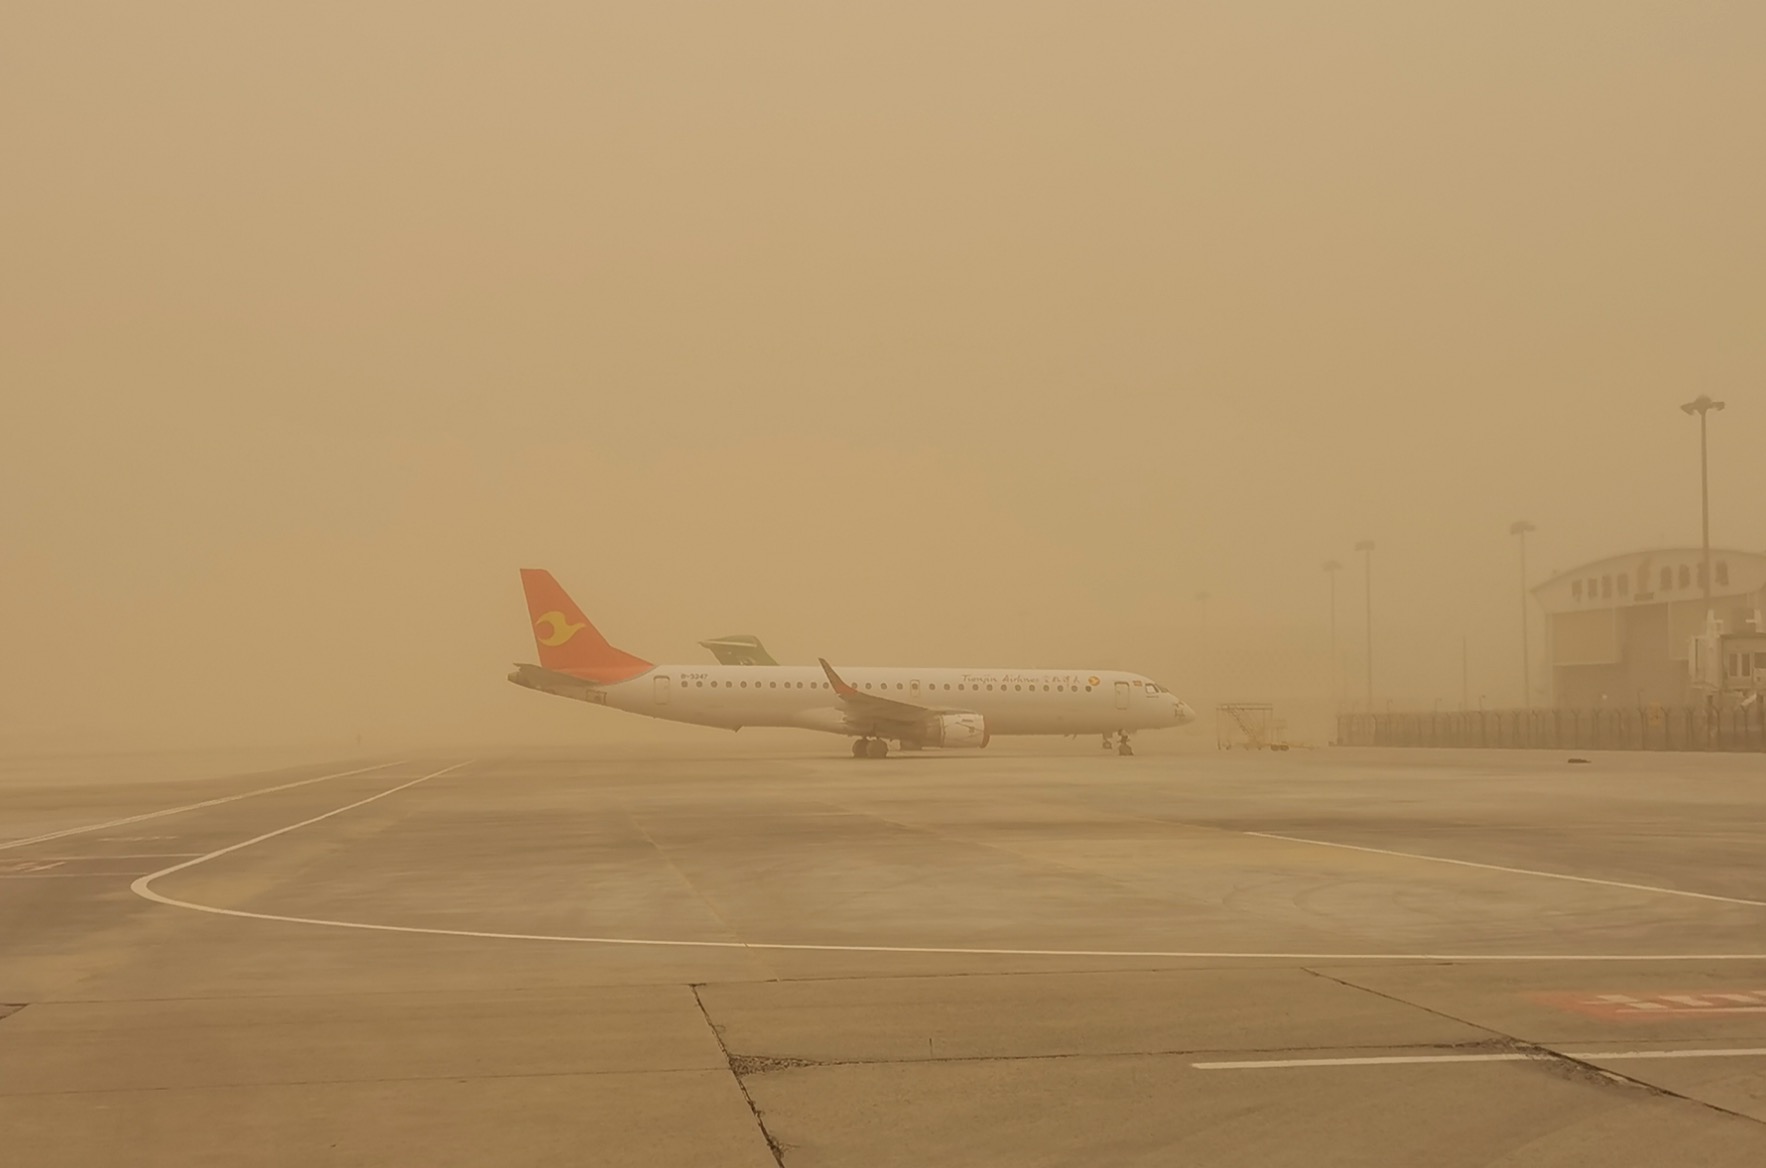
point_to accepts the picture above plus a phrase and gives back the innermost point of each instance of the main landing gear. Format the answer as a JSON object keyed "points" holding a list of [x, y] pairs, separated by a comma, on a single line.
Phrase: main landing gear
{"points": [[870, 748], [1122, 746]]}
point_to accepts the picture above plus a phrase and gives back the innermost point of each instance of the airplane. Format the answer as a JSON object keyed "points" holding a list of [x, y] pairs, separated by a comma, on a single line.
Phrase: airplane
{"points": [[914, 707], [746, 649]]}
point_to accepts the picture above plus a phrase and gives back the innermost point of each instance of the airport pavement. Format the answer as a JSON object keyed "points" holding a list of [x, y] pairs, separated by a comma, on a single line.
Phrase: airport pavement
{"points": [[1035, 956]]}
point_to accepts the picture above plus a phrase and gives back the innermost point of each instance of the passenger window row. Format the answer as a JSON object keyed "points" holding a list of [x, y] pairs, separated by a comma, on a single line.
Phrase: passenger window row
{"points": [[770, 684], [684, 683], [977, 688]]}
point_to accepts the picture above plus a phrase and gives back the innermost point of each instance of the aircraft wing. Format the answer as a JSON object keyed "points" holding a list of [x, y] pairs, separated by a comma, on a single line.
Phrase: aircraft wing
{"points": [[872, 710]]}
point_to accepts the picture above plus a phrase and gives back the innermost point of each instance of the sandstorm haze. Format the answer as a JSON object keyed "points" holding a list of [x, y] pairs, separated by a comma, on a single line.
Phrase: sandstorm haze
{"points": [[896, 333]]}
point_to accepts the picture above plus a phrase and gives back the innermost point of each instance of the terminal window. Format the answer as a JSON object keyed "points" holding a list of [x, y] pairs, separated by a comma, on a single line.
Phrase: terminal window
{"points": [[1723, 573]]}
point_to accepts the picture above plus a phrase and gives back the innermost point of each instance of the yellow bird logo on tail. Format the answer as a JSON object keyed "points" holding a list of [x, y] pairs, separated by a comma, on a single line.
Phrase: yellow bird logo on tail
{"points": [[555, 629]]}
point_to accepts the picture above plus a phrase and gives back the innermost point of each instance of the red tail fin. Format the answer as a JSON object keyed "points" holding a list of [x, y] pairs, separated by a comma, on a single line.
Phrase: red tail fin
{"points": [[567, 642]]}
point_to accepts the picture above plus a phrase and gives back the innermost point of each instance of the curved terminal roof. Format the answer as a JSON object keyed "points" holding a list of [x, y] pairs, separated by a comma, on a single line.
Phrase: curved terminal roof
{"points": [[1638, 578]]}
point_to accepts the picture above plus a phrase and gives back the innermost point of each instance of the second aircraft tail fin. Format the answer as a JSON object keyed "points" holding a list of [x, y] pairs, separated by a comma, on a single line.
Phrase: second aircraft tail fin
{"points": [[739, 649]]}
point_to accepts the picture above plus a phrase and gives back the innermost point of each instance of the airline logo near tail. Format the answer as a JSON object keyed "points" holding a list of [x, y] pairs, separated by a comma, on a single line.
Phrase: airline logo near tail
{"points": [[567, 641], [553, 628]]}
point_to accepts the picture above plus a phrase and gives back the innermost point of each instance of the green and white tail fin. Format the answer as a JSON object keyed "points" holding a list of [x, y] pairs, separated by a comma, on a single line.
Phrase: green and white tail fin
{"points": [[739, 649]]}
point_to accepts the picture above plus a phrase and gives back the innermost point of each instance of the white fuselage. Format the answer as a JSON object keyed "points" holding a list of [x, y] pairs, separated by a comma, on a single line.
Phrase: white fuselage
{"points": [[1013, 701]]}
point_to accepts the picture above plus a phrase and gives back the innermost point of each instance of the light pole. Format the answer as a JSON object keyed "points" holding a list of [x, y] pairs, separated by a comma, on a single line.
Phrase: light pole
{"points": [[1465, 671], [1332, 567], [1366, 547], [1702, 406], [1521, 527]]}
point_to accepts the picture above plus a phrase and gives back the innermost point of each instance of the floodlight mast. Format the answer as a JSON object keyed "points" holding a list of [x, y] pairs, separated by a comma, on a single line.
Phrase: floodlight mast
{"points": [[1702, 405], [1521, 527], [1332, 567], [1366, 547]]}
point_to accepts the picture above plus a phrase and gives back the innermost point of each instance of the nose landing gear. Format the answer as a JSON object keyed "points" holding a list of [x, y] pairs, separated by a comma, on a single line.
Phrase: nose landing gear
{"points": [[1122, 746]]}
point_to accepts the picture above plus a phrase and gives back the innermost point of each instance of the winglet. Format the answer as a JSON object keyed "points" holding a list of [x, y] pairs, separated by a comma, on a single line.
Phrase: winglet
{"points": [[840, 687]]}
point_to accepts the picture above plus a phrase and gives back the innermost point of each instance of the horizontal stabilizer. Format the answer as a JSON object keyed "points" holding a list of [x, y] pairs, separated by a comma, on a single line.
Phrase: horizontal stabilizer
{"points": [[562, 684]]}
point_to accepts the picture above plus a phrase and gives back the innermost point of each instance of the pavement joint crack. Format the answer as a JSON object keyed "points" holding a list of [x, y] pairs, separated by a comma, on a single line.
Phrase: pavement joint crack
{"points": [[349, 1080], [1495, 1034], [772, 1143], [744, 1064], [1588, 1071], [760, 1064], [696, 892], [1576, 1069]]}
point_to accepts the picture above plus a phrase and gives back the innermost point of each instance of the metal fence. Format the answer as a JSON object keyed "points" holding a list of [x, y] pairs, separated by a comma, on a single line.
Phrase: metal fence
{"points": [[1650, 728]]}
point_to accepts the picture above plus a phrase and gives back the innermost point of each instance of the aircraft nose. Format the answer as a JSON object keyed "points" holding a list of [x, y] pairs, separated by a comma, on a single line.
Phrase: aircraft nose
{"points": [[1184, 713]]}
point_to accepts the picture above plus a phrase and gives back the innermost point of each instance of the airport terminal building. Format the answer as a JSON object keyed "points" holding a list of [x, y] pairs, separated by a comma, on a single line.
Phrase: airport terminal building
{"points": [[1621, 631]]}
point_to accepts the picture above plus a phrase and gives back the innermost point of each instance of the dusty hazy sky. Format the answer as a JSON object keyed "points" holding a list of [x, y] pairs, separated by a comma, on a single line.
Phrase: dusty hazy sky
{"points": [[905, 332]]}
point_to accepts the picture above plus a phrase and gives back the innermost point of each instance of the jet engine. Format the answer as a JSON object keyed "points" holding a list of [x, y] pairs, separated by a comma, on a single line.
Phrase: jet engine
{"points": [[956, 730]]}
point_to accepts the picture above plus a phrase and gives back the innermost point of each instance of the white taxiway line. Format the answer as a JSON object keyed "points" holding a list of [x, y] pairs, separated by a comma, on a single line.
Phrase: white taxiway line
{"points": [[143, 887], [140, 886], [1510, 1057], [1294, 839], [59, 875], [107, 856], [54, 835]]}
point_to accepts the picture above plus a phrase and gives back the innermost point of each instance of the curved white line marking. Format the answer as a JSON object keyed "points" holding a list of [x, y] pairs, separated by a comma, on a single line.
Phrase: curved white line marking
{"points": [[143, 887], [54, 835], [1294, 839]]}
